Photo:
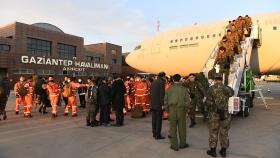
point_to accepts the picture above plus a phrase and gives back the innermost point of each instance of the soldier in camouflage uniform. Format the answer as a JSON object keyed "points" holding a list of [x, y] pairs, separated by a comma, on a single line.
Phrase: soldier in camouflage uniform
{"points": [[4, 94], [219, 118], [224, 62], [91, 104], [229, 48], [177, 103], [197, 93], [200, 77]]}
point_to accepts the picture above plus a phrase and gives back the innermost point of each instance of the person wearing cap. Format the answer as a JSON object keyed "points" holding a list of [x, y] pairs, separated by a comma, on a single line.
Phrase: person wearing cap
{"points": [[224, 62], [197, 94], [157, 104], [219, 117], [177, 103]]}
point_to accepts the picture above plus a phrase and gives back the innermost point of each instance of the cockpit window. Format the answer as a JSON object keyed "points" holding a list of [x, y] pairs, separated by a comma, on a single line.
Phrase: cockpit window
{"points": [[138, 47]]}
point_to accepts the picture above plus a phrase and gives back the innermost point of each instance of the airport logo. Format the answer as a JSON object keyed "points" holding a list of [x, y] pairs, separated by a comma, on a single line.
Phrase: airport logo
{"points": [[67, 64]]}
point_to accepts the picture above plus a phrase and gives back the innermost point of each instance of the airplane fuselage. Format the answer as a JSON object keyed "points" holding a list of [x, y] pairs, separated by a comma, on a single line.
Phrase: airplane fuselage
{"points": [[186, 50]]}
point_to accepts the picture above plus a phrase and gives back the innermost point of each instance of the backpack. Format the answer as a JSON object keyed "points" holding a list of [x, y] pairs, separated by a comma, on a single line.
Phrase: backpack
{"points": [[137, 112], [22, 90], [67, 91]]}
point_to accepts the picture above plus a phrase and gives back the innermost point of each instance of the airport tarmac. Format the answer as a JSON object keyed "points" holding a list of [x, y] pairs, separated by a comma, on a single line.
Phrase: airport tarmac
{"points": [[256, 136]]}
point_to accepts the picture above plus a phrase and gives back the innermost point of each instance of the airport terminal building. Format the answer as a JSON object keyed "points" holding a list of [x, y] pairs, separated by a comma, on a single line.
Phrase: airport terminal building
{"points": [[44, 49]]}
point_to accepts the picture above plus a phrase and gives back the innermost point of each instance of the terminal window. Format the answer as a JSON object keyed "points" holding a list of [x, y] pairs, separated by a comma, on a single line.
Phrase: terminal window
{"points": [[66, 51], [38, 47], [91, 58], [5, 47]]}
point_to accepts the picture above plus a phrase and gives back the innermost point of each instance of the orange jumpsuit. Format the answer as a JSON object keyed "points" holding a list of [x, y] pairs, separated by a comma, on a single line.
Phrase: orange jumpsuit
{"points": [[54, 91], [28, 98], [19, 99], [148, 97], [72, 101], [140, 93]]}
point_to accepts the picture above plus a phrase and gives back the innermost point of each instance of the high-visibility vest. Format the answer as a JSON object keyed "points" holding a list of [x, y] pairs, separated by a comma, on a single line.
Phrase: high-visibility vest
{"points": [[140, 89]]}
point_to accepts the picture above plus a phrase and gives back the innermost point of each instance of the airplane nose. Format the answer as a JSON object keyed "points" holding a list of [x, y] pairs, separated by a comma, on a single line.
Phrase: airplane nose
{"points": [[130, 59]]}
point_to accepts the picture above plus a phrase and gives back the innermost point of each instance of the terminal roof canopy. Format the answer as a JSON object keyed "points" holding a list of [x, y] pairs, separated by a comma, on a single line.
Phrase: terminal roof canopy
{"points": [[48, 26]]}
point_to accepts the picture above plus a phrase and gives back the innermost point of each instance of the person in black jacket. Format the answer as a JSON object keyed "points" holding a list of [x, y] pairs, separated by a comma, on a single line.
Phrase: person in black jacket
{"points": [[157, 103], [104, 101], [82, 95], [118, 92], [4, 95]]}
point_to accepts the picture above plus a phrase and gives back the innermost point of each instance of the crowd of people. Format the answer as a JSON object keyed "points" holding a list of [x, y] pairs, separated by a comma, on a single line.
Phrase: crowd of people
{"points": [[236, 32], [173, 97]]}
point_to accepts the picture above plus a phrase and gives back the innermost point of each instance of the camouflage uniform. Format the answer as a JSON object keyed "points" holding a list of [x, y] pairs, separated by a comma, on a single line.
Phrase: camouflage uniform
{"points": [[229, 49], [224, 63], [235, 41], [219, 118], [197, 92], [5, 92], [92, 105], [200, 77]]}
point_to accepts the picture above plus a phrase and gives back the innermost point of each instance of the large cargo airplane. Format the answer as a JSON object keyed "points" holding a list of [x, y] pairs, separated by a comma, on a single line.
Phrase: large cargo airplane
{"points": [[186, 50]]}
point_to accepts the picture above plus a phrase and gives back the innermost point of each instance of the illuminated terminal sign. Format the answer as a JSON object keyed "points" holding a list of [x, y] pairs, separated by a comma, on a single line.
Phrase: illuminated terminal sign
{"points": [[68, 65]]}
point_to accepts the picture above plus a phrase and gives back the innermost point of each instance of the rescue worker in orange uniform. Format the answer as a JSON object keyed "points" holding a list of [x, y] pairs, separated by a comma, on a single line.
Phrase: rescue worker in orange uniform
{"points": [[140, 92], [148, 94], [132, 92], [19, 99], [28, 98], [54, 94], [72, 100]]}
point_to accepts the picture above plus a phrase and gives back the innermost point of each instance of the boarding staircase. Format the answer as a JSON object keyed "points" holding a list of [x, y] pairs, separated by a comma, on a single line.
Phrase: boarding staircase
{"points": [[237, 69]]}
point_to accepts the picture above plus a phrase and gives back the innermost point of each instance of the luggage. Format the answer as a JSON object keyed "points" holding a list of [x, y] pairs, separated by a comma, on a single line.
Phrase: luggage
{"points": [[165, 115], [137, 112]]}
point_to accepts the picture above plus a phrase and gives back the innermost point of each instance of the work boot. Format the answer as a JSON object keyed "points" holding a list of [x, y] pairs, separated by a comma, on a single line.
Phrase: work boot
{"points": [[174, 148], [159, 137], [212, 152], [193, 123], [184, 146], [223, 152], [92, 124], [4, 117]]}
